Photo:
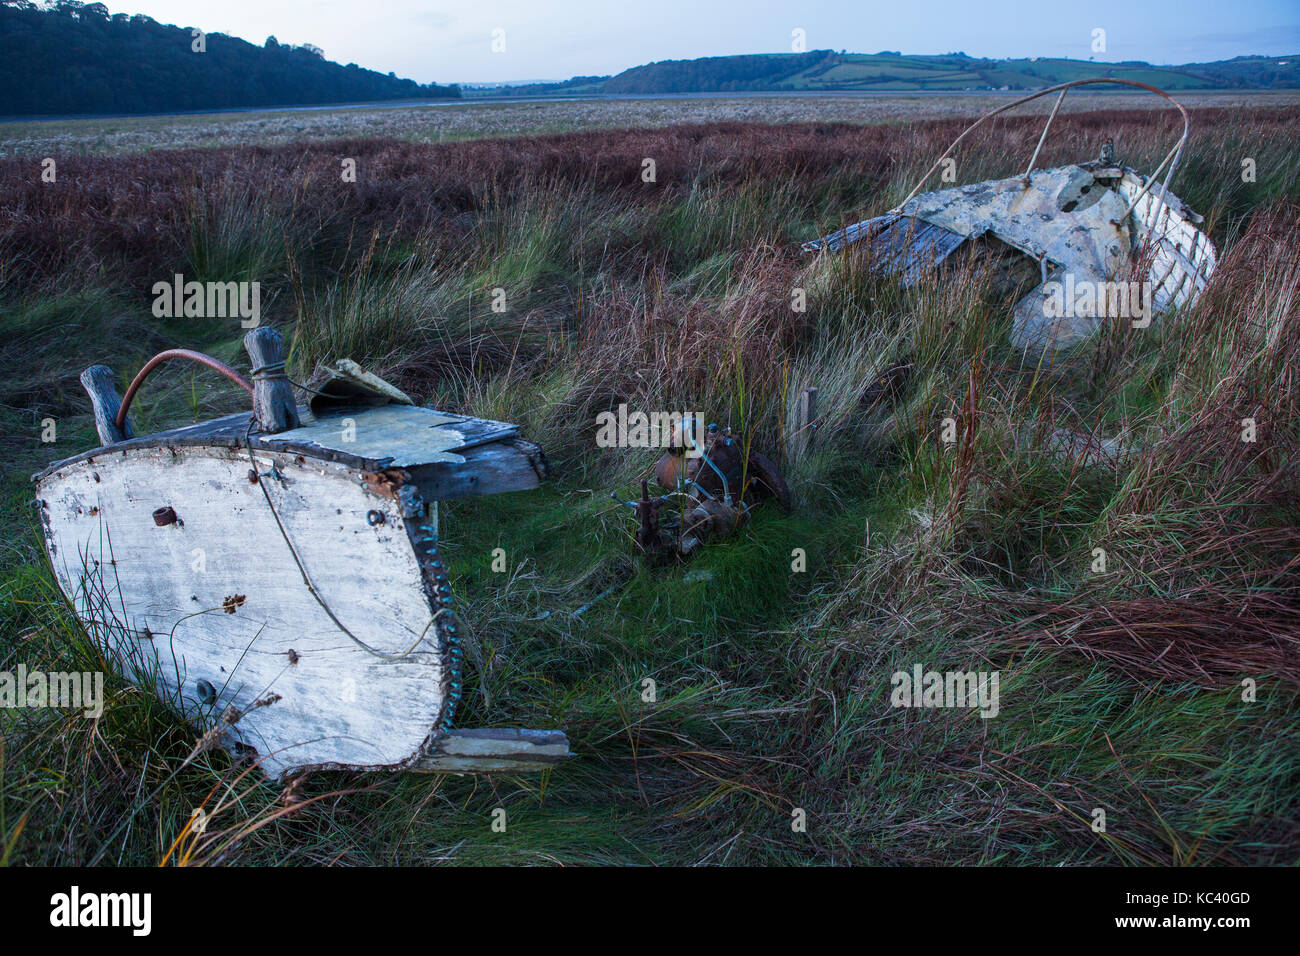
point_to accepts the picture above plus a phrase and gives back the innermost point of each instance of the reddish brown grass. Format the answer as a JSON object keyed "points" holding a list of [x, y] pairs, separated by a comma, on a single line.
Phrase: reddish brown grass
{"points": [[130, 216]]}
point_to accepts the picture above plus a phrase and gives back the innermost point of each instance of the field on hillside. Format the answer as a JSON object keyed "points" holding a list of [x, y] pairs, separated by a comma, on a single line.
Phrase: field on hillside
{"points": [[1120, 691], [886, 71]]}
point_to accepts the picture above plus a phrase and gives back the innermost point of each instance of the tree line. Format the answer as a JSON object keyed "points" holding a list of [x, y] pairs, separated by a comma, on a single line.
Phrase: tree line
{"points": [[77, 58], [718, 73]]}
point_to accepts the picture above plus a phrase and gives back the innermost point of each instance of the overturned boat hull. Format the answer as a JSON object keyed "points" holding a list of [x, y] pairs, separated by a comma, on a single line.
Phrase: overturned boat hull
{"points": [[1071, 220], [1127, 242]]}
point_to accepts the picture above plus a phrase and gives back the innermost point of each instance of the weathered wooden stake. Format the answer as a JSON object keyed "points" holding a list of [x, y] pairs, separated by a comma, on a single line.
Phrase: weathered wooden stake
{"points": [[808, 411], [98, 383], [274, 406]]}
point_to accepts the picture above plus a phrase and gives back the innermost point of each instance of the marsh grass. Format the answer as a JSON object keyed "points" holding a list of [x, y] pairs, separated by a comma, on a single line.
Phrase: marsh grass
{"points": [[1120, 691]]}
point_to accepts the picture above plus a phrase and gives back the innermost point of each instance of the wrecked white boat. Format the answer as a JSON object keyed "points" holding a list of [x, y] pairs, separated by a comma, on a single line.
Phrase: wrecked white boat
{"points": [[276, 574], [1109, 243]]}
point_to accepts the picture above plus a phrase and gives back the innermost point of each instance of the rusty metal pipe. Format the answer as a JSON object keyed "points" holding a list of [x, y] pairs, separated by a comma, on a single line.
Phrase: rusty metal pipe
{"points": [[192, 356]]}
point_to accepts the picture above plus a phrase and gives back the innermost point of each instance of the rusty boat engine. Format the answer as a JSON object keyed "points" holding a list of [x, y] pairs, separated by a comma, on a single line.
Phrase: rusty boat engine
{"points": [[708, 494]]}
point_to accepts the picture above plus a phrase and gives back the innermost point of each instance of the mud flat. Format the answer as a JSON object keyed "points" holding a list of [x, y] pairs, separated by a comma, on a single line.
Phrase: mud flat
{"points": [[441, 121]]}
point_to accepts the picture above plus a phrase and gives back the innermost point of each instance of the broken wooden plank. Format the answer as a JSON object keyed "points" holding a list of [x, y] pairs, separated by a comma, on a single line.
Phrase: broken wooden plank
{"points": [[904, 246], [851, 234], [491, 469], [495, 750]]}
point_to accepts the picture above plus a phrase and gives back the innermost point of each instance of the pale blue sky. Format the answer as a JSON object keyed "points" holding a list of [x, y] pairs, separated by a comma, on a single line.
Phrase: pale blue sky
{"points": [[555, 39]]}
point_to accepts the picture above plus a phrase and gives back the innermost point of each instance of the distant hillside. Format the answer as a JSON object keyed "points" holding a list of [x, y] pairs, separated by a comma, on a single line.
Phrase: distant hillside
{"points": [[760, 72], [826, 70], [76, 58]]}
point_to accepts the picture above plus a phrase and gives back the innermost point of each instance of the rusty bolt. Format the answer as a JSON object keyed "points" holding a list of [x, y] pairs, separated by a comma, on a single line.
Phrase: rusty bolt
{"points": [[165, 516]]}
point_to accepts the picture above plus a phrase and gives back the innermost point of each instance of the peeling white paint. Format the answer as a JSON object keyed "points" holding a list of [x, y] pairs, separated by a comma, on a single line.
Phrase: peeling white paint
{"points": [[338, 704]]}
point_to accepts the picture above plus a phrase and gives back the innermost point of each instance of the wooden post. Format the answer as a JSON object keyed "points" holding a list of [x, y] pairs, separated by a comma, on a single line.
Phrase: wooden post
{"points": [[808, 412], [274, 406], [98, 383]]}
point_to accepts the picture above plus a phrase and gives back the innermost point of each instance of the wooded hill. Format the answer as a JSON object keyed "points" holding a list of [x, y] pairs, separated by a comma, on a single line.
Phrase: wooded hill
{"points": [[75, 58]]}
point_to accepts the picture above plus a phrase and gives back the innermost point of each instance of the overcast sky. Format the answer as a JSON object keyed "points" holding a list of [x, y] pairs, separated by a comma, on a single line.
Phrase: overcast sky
{"points": [[451, 40]]}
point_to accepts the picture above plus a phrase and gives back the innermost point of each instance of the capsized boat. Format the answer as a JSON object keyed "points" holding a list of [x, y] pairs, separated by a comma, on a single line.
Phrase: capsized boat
{"points": [[276, 573], [1089, 227]]}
